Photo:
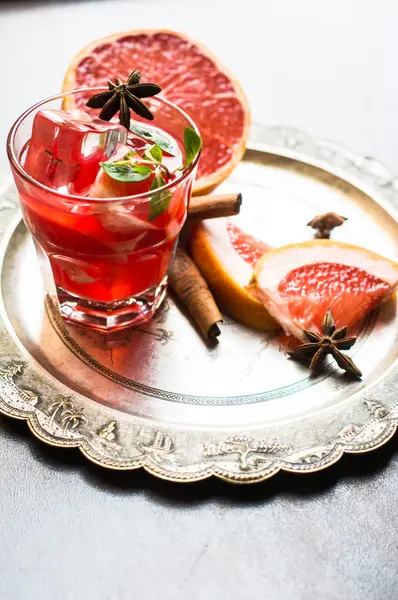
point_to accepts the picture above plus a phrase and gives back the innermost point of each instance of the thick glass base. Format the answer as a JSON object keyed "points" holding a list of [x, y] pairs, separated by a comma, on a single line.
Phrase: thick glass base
{"points": [[111, 316]]}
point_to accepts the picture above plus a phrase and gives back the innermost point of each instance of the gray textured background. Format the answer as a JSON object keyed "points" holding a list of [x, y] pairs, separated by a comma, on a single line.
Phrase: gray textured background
{"points": [[71, 531]]}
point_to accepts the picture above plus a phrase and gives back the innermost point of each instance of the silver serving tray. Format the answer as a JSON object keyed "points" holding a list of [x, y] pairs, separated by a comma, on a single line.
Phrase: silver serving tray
{"points": [[157, 397]]}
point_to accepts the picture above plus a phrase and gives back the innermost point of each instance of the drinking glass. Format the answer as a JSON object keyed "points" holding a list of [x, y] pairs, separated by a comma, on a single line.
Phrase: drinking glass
{"points": [[107, 257]]}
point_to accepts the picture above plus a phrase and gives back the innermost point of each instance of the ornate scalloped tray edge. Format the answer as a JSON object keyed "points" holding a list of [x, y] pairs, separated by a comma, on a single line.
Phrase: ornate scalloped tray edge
{"points": [[74, 432]]}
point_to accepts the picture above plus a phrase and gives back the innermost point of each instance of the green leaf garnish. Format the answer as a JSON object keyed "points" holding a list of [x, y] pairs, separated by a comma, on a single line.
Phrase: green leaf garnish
{"points": [[153, 135], [159, 200], [126, 172], [192, 143], [155, 153]]}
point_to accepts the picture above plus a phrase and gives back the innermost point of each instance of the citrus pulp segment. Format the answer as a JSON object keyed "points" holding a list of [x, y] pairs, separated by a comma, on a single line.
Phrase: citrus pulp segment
{"points": [[299, 282]]}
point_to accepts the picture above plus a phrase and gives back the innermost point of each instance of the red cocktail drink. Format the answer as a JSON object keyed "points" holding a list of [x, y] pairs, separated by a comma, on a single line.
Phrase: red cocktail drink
{"points": [[104, 206]]}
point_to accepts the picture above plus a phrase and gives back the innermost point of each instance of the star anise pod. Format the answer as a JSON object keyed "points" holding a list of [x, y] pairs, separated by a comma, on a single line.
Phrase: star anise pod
{"points": [[325, 223], [331, 342], [123, 96]]}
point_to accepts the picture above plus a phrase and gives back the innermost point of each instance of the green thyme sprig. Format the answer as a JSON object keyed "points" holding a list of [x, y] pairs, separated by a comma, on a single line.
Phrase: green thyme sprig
{"points": [[134, 168], [193, 145], [160, 200], [153, 135]]}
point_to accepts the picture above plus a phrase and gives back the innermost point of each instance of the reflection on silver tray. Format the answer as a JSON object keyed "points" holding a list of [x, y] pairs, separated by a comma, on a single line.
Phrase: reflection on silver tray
{"points": [[157, 397]]}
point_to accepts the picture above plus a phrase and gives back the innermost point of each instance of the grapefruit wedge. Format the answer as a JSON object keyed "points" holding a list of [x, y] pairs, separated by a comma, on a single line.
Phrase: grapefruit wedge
{"points": [[225, 255], [190, 76], [299, 282]]}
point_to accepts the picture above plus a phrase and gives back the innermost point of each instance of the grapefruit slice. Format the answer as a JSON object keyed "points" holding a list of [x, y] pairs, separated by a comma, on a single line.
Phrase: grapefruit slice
{"points": [[190, 76], [299, 282], [225, 255]]}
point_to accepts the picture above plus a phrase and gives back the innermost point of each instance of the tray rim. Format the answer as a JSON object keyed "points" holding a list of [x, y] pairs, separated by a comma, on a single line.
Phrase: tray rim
{"points": [[368, 175]]}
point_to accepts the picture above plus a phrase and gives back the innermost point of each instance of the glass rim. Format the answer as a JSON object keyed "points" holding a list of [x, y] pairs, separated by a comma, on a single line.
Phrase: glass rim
{"points": [[15, 163]]}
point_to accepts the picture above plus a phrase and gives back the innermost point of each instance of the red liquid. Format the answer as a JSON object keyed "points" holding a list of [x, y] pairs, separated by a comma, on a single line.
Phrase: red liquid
{"points": [[104, 251], [92, 257]]}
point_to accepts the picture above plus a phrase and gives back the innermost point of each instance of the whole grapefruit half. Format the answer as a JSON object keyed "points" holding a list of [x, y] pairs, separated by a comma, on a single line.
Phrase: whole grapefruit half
{"points": [[190, 76]]}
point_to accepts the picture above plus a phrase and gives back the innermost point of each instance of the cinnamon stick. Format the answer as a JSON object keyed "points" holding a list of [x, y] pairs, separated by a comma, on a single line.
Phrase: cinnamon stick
{"points": [[190, 287], [212, 207]]}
